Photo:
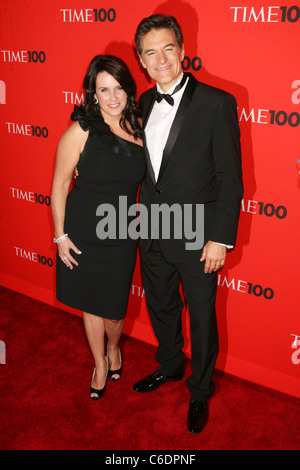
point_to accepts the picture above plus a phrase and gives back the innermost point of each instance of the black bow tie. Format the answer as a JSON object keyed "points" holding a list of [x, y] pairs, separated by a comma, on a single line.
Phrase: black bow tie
{"points": [[161, 96], [165, 96]]}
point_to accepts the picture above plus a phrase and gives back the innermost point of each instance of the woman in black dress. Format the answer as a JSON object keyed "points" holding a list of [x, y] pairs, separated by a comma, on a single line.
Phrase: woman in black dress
{"points": [[94, 274]]}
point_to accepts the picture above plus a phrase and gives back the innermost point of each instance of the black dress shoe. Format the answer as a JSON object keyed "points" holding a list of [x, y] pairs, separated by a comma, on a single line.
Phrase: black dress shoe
{"points": [[197, 416], [153, 381]]}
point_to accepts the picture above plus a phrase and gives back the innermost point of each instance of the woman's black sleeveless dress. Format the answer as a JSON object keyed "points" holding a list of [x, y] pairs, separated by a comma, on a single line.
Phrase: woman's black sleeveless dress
{"points": [[109, 167]]}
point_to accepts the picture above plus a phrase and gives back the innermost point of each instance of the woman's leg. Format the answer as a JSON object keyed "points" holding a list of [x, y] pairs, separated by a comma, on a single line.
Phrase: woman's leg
{"points": [[95, 331], [113, 329]]}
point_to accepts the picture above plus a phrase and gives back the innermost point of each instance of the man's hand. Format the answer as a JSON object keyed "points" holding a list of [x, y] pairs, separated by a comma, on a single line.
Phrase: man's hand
{"points": [[214, 255]]}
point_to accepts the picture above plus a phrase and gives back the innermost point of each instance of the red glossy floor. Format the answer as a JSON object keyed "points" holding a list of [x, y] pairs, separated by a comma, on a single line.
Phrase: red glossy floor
{"points": [[45, 401]]}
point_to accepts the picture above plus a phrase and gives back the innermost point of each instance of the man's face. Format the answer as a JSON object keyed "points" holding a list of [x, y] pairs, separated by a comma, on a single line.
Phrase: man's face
{"points": [[162, 57]]}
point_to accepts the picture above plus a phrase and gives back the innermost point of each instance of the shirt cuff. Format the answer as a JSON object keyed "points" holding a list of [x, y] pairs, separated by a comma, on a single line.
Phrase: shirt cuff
{"points": [[227, 246]]}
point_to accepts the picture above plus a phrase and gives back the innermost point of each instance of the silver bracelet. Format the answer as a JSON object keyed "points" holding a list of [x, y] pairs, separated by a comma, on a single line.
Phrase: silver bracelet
{"points": [[60, 239]]}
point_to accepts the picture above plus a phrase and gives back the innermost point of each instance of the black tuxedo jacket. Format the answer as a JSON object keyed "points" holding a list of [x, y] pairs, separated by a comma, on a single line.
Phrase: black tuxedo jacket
{"points": [[201, 164]]}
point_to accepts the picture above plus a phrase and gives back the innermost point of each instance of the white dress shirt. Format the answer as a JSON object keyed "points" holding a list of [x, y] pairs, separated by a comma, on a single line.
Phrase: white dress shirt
{"points": [[159, 125]]}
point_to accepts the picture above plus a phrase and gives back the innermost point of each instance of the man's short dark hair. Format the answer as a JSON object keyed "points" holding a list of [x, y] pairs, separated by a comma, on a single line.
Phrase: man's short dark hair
{"points": [[158, 22]]}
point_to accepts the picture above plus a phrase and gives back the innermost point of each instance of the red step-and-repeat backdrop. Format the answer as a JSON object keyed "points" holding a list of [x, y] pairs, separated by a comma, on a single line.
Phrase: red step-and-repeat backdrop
{"points": [[248, 48]]}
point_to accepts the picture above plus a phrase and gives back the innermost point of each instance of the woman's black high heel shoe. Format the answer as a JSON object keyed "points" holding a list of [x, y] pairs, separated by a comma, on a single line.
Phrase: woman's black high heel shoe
{"points": [[115, 372], [99, 393]]}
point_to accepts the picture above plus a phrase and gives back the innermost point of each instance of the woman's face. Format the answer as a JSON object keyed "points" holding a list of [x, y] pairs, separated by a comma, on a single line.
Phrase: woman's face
{"points": [[111, 96]]}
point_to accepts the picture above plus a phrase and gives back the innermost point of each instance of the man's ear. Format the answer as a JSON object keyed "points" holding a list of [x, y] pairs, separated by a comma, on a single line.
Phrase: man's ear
{"points": [[182, 53], [142, 62]]}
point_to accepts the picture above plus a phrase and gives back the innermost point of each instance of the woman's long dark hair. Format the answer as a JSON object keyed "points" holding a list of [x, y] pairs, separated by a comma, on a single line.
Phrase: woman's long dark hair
{"points": [[119, 70]]}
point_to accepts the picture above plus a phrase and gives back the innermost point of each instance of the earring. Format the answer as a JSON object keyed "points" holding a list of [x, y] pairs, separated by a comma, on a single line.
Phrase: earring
{"points": [[96, 100]]}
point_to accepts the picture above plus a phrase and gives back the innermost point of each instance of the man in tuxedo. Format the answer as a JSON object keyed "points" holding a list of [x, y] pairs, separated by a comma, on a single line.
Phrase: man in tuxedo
{"points": [[192, 143]]}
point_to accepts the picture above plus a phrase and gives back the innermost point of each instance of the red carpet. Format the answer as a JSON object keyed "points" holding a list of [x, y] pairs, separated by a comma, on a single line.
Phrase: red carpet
{"points": [[45, 403]]}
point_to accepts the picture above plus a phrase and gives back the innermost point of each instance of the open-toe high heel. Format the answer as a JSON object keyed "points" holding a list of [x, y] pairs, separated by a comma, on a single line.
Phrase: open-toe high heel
{"points": [[97, 392], [111, 373]]}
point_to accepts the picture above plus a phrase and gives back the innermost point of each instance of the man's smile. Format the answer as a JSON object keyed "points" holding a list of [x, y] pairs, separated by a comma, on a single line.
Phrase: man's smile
{"points": [[162, 69]]}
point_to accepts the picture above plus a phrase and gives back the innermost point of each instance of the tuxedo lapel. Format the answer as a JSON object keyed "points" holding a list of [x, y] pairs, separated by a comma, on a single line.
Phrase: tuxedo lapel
{"points": [[146, 114], [177, 123], [148, 159], [148, 106]]}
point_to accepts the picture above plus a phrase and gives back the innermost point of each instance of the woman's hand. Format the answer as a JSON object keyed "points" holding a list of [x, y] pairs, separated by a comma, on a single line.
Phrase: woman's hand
{"points": [[64, 248]]}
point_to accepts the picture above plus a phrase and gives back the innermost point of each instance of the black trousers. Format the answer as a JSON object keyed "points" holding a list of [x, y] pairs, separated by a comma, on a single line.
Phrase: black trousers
{"points": [[161, 279]]}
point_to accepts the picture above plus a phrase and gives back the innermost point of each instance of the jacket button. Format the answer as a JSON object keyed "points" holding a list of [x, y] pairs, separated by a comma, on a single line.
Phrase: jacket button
{"points": [[158, 191]]}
